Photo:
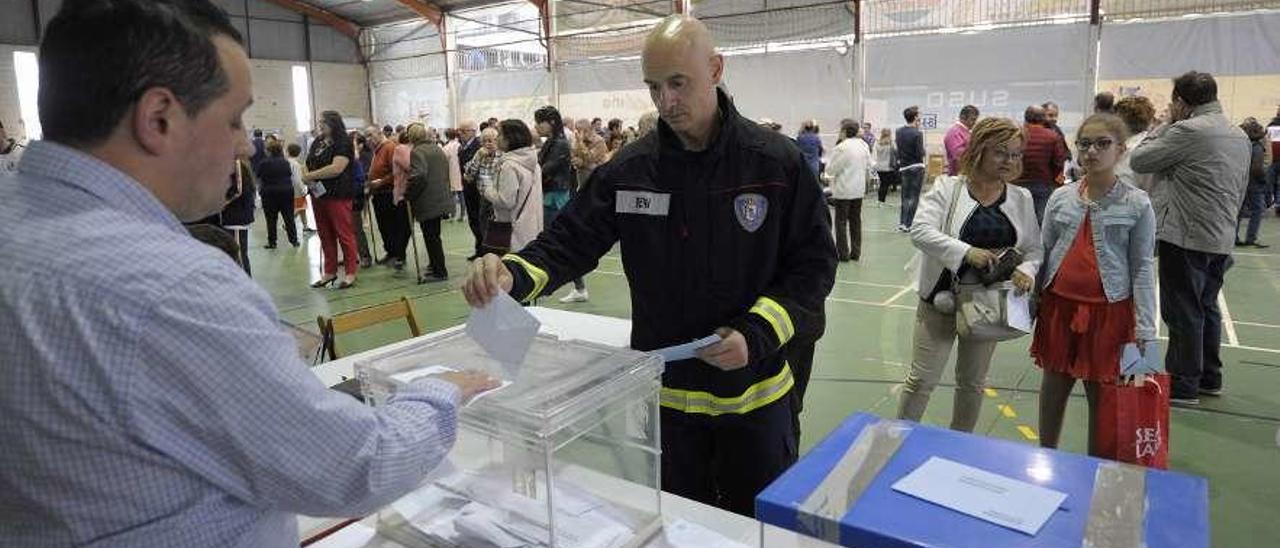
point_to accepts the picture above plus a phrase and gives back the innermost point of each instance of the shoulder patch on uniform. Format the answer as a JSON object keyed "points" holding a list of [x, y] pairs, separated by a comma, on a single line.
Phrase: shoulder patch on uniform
{"points": [[750, 209]]}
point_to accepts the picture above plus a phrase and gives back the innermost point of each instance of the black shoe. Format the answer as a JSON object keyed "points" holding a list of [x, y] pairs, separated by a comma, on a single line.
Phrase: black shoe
{"points": [[1240, 243], [398, 265], [1259, 245], [473, 257], [384, 260], [431, 278], [295, 244], [1184, 402], [322, 282], [269, 246]]}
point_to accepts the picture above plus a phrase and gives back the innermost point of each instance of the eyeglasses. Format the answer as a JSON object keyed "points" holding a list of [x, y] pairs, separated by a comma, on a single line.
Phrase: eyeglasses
{"points": [[1102, 145], [1005, 156]]}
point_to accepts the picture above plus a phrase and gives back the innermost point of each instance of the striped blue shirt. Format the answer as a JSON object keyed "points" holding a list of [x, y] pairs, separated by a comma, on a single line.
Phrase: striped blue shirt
{"points": [[148, 396]]}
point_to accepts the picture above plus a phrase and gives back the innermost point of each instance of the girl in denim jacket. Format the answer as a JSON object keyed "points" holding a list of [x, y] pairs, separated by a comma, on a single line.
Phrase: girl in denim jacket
{"points": [[1098, 279]]}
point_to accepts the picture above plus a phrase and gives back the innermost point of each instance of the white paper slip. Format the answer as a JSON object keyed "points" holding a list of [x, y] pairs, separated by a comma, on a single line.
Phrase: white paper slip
{"points": [[687, 534], [409, 376], [1133, 362], [355, 535], [686, 351], [1007, 502], [505, 330], [1019, 306]]}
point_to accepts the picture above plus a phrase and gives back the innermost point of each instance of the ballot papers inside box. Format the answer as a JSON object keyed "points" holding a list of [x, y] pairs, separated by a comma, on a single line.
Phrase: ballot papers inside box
{"points": [[565, 455]]}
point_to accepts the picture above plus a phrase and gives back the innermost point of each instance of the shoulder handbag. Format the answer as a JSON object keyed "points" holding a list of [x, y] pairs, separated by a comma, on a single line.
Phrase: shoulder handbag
{"points": [[497, 238], [982, 311]]}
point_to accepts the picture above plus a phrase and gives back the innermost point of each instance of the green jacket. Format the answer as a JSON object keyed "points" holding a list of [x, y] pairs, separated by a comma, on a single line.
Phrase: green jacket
{"points": [[428, 189]]}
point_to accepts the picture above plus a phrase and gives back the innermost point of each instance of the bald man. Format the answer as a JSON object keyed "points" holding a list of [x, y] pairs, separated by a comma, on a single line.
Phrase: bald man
{"points": [[723, 230]]}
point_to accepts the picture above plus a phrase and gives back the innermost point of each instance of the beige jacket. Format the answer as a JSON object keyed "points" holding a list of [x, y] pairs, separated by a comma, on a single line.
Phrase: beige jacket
{"points": [[516, 195]]}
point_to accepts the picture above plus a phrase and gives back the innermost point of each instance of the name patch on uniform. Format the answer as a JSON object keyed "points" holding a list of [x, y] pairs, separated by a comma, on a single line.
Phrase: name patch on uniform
{"points": [[643, 203], [750, 209]]}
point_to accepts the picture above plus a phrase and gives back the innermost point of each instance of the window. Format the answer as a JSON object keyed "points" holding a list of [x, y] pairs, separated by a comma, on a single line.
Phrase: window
{"points": [[301, 98], [28, 74]]}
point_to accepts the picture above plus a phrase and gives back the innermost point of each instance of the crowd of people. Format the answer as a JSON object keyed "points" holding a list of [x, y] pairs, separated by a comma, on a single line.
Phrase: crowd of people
{"points": [[1081, 234], [391, 177]]}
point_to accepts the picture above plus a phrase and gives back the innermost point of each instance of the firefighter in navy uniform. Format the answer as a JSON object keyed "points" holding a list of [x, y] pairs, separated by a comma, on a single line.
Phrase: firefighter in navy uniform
{"points": [[723, 229]]}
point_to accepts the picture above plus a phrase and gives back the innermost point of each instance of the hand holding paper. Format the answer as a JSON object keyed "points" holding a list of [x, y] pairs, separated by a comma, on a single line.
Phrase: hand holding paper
{"points": [[505, 330], [728, 354]]}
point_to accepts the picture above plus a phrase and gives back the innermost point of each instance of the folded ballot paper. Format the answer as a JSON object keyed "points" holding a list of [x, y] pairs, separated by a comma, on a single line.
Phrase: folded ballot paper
{"points": [[505, 330], [467, 509]]}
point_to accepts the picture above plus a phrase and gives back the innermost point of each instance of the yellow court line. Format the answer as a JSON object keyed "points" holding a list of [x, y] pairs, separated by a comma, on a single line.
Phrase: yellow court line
{"points": [[1028, 433], [991, 393], [1007, 411]]}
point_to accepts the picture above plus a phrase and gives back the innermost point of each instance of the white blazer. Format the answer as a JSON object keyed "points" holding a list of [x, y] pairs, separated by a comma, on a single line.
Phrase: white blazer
{"points": [[849, 169], [939, 249]]}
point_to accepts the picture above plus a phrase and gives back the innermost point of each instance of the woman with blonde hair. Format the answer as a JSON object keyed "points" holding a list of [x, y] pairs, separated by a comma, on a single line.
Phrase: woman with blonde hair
{"points": [[973, 228], [884, 159]]}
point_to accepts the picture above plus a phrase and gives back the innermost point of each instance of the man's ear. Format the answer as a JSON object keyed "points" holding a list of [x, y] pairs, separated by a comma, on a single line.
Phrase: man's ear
{"points": [[155, 118], [717, 68]]}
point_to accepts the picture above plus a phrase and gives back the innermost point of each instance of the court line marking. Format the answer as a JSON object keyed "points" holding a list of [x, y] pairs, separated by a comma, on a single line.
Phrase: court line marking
{"points": [[897, 295], [1028, 433], [1227, 324]]}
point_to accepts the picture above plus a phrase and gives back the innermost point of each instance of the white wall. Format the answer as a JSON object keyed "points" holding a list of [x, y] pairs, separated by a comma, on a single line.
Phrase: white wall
{"points": [[338, 86], [10, 112]]}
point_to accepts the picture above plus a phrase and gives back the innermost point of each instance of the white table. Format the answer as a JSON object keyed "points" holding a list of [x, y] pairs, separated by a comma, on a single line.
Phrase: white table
{"points": [[576, 326]]}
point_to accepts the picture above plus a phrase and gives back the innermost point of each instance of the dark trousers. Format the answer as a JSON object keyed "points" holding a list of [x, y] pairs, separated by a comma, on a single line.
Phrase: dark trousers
{"points": [[279, 206], [435, 247], [848, 242], [1189, 286], [724, 461], [888, 180], [912, 183], [1040, 193], [1255, 202], [393, 224], [472, 199], [242, 238], [799, 355], [357, 224]]}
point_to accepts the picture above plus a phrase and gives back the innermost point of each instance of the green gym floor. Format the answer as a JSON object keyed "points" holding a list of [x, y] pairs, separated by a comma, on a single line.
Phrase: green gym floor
{"points": [[1234, 441]]}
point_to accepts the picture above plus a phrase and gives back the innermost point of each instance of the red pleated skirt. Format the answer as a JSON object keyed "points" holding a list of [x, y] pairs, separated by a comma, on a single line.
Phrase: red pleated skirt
{"points": [[1083, 340]]}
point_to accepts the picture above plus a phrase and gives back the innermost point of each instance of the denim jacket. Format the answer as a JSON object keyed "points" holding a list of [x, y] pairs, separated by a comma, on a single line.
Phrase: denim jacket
{"points": [[1124, 228]]}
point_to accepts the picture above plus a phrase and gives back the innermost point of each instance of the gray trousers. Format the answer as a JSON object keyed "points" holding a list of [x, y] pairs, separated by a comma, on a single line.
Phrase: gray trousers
{"points": [[932, 340]]}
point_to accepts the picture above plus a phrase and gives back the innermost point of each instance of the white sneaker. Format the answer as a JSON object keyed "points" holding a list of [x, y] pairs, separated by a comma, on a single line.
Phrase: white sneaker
{"points": [[576, 296]]}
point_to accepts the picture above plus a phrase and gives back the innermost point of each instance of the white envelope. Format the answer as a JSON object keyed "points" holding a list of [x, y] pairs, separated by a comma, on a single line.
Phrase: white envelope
{"points": [[1007, 502], [505, 330]]}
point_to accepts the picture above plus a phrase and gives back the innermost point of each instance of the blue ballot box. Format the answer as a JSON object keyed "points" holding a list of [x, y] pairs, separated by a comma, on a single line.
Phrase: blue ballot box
{"points": [[842, 492]]}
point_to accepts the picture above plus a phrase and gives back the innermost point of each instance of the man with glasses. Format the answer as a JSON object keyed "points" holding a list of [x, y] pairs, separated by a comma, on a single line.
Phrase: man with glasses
{"points": [[1201, 162], [1042, 159]]}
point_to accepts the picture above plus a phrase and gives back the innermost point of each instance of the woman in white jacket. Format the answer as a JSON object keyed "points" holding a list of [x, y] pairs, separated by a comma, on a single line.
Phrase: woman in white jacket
{"points": [[990, 216], [519, 184], [849, 168]]}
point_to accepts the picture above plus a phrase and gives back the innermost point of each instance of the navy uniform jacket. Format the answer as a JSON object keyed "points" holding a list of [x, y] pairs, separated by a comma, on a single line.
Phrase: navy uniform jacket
{"points": [[737, 235]]}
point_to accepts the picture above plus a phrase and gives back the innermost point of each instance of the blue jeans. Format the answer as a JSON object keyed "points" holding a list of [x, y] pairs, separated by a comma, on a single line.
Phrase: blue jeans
{"points": [[549, 214], [1040, 193], [912, 182], [1255, 203]]}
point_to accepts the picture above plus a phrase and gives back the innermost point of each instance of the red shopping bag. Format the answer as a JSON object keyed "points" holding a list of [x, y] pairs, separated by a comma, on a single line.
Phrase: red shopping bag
{"points": [[1133, 421]]}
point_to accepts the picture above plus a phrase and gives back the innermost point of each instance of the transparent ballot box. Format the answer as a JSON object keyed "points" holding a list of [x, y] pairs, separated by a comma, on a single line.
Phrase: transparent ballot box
{"points": [[565, 454]]}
